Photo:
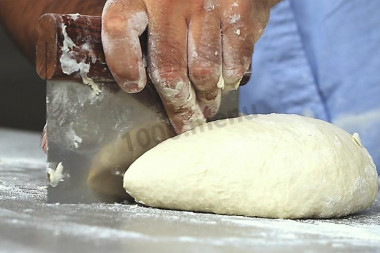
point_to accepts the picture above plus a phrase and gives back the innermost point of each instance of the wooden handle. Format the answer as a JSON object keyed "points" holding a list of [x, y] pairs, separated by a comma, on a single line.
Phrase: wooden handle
{"points": [[84, 32], [83, 36]]}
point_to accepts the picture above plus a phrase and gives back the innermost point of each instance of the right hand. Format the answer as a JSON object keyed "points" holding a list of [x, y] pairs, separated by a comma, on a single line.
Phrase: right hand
{"points": [[195, 47]]}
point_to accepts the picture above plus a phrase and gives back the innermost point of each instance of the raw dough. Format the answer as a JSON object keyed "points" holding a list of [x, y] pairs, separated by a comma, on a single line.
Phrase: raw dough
{"points": [[277, 166]]}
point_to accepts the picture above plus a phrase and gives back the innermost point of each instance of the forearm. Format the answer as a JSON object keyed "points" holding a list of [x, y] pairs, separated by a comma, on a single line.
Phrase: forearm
{"points": [[19, 17], [274, 2]]}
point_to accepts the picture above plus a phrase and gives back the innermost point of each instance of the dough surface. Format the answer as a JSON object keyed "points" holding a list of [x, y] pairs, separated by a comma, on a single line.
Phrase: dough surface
{"points": [[276, 166]]}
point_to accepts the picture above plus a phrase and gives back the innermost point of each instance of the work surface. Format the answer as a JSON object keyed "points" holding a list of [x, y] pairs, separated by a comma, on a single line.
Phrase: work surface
{"points": [[28, 224]]}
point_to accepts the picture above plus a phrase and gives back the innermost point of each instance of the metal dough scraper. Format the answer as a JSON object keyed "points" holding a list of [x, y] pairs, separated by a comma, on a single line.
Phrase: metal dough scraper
{"points": [[95, 130]]}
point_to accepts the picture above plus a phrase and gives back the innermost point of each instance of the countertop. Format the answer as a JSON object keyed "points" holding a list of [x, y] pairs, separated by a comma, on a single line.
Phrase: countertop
{"points": [[29, 224]]}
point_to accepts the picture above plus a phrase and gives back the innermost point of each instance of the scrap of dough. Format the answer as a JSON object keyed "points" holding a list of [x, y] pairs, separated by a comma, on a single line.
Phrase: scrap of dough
{"points": [[276, 166], [55, 176]]}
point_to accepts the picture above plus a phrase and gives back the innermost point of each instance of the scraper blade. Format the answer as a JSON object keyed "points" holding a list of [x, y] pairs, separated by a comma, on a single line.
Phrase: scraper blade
{"points": [[95, 130]]}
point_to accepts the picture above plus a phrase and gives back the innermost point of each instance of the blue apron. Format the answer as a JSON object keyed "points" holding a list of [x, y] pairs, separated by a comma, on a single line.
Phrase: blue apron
{"points": [[321, 59]]}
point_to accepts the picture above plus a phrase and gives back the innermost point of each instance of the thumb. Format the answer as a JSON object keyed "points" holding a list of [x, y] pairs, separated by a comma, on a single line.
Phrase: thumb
{"points": [[123, 21]]}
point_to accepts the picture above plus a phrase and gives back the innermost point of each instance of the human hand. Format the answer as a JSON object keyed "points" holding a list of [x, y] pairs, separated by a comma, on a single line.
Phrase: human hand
{"points": [[196, 49]]}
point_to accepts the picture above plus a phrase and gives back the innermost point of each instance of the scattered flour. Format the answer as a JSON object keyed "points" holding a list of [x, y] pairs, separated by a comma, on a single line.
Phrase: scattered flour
{"points": [[23, 208], [234, 18]]}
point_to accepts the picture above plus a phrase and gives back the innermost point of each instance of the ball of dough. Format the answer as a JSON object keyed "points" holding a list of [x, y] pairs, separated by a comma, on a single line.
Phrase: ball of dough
{"points": [[276, 166]]}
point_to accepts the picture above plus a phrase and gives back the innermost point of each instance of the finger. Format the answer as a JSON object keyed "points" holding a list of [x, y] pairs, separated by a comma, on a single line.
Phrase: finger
{"points": [[243, 22], [123, 21], [205, 61], [167, 52], [44, 145]]}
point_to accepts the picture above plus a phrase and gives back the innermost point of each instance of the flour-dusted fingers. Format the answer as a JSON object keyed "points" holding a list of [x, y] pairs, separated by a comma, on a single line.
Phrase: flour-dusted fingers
{"points": [[167, 55], [243, 22], [123, 21], [205, 58], [196, 49]]}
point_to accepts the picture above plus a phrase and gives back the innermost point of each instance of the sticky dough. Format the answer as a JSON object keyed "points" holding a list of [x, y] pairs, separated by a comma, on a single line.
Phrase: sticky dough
{"points": [[277, 166]]}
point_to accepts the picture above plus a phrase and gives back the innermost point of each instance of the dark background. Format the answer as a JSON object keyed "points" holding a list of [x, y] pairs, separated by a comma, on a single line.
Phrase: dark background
{"points": [[22, 92]]}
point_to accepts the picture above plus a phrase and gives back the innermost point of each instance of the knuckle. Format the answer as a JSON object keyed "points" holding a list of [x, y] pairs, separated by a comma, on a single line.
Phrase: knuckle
{"points": [[165, 43], [208, 97], [179, 96], [199, 72], [167, 76], [115, 27], [205, 77], [167, 51]]}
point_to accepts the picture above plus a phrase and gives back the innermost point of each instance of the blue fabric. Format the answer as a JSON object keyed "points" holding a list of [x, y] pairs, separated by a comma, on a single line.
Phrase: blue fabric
{"points": [[321, 59]]}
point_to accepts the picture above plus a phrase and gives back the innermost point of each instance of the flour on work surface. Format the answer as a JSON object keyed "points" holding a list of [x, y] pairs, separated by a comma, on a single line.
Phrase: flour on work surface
{"points": [[24, 207]]}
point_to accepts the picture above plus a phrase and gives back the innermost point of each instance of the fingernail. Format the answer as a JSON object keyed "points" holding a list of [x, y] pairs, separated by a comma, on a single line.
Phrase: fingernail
{"points": [[130, 87]]}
